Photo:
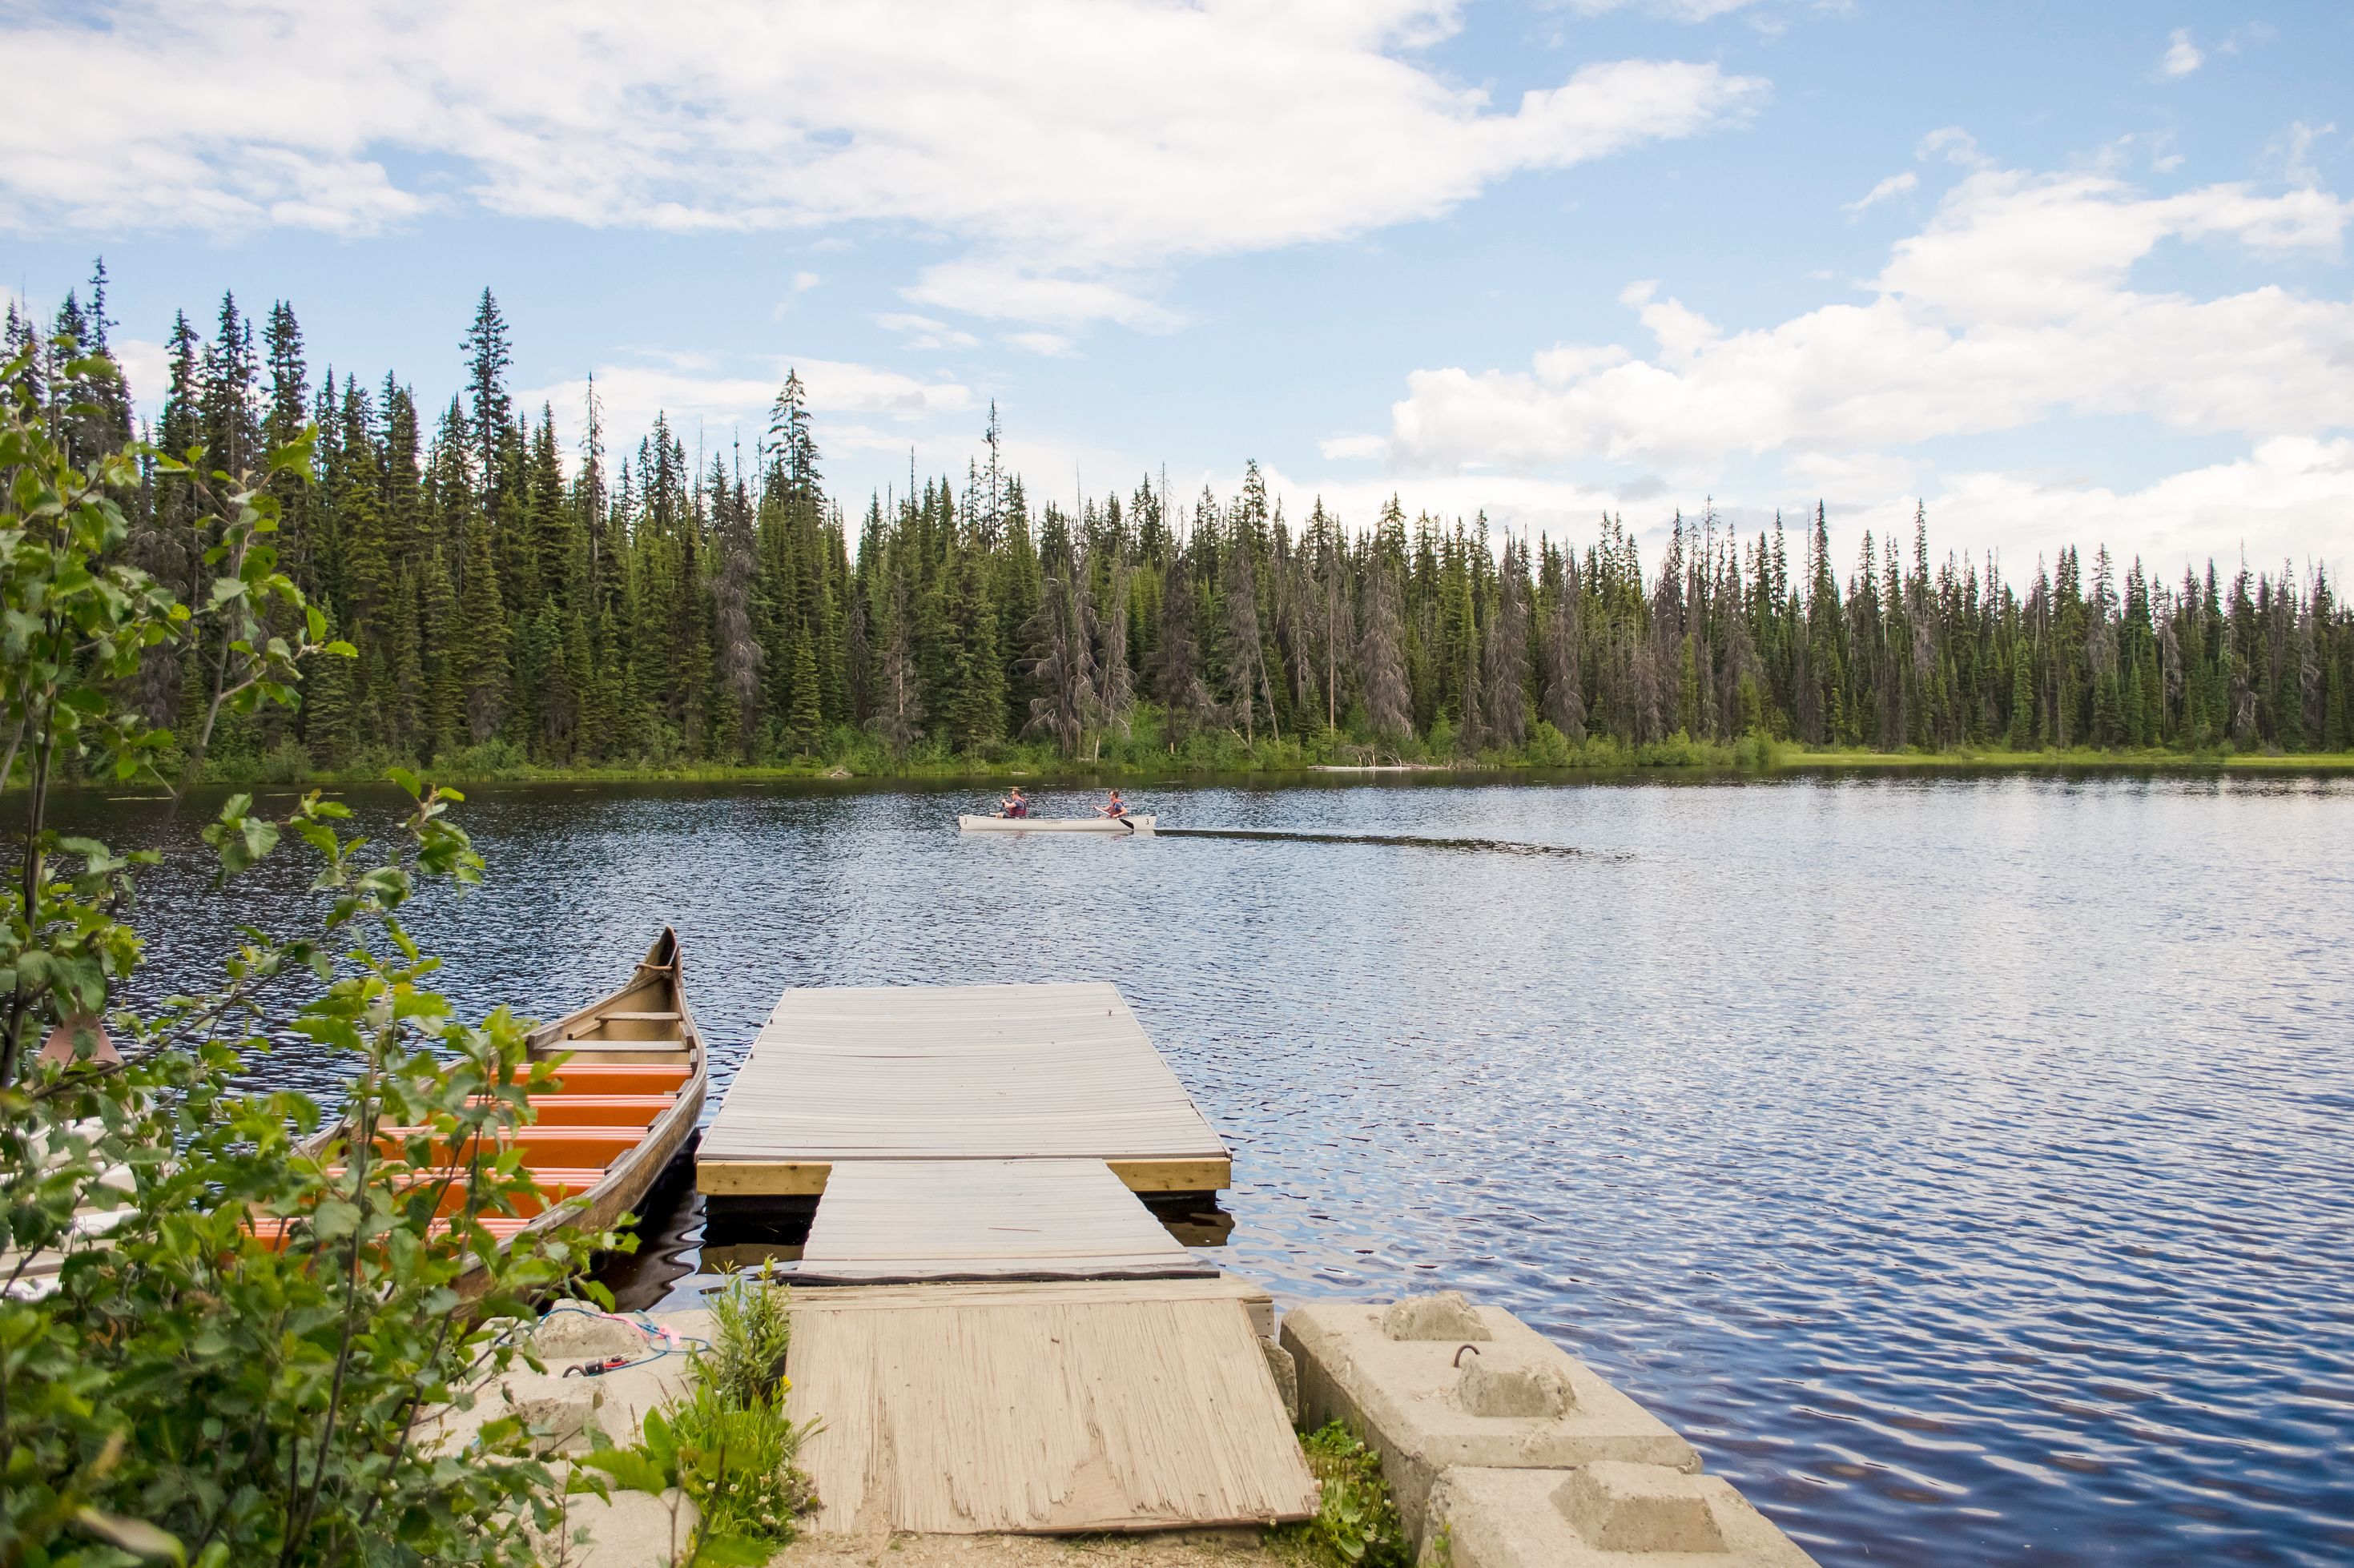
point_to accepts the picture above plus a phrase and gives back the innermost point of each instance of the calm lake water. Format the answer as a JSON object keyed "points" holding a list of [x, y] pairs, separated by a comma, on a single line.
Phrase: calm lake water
{"points": [[1964, 1165]]}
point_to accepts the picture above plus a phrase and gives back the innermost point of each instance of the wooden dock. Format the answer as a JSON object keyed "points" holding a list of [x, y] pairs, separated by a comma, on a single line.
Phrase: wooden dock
{"points": [[1110, 1406], [985, 1072], [891, 1220], [997, 1332]]}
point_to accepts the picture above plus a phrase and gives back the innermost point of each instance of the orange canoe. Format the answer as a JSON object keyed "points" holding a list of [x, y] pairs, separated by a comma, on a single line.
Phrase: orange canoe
{"points": [[629, 1083]]}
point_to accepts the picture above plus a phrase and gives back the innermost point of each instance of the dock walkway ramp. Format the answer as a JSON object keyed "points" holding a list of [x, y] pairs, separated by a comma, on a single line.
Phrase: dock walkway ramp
{"points": [[996, 1332]]}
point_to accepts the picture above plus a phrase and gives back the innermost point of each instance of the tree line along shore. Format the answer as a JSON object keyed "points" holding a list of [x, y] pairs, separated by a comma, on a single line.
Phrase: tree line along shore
{"points": [[517, 609]]}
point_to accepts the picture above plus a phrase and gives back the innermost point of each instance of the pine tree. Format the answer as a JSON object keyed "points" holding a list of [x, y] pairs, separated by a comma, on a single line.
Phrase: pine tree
{"points": [[898, 704], [330, 728], [1507, 653], [1381, 668], [489, 357], [481, 637]]}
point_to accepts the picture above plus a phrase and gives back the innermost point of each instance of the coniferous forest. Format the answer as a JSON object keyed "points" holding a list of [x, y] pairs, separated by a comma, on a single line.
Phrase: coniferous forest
{"points": [[516, 604]]}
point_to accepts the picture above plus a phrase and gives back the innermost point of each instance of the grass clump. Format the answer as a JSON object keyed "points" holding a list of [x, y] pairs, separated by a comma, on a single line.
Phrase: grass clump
{"points": [[1356, 1524], [725, 1443], [751, 1331]]}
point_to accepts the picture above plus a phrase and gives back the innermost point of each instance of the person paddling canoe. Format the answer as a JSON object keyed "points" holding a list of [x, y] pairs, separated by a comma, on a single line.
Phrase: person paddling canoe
{"points": [[1016, 804], [1115, 807]]}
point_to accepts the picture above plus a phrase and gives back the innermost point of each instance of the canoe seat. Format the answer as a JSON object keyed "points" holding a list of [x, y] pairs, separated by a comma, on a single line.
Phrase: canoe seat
{"points": [[621, 1079], [271, 1232], [599, 1110], [563, 1109], [635, 1018], [555, 1185], [551, 1146], [596, 1045]]}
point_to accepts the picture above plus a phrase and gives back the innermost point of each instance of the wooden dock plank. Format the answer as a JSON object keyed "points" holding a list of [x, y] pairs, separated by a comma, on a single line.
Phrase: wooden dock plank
{"points": [[957, 1072], [954, 1219], [1052, 1408]]}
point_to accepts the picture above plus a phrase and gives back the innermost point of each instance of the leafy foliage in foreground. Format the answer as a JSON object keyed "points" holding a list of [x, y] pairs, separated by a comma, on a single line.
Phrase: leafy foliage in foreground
{"points": [[217, 1332], [1356, 1524], [726, 1444]]}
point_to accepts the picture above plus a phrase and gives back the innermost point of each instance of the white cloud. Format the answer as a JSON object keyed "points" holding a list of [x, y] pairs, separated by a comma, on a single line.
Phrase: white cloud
{"points": [[2294, 149], [2276, 504], [1005, 290], [711, 407], [923, 332], [146, 369], [1208, 129], [804, 281], [2012, 306], [1677, 10], [1053, 345], [1955, 145], [1893, 186], [2287, 497], [1351, 449], [2182, 55]]}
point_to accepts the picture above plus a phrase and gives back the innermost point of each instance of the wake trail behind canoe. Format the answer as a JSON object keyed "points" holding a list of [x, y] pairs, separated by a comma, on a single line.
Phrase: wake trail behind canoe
{"points": [[1396, 840]]}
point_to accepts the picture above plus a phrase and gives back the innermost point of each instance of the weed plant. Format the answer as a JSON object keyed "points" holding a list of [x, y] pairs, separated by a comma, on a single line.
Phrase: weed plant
{"points": [[1356, 1524], [724, 1442]]}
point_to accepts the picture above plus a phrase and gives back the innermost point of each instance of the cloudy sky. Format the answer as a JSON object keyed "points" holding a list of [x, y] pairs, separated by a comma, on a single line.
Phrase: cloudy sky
{"points": [[2066, 273]]}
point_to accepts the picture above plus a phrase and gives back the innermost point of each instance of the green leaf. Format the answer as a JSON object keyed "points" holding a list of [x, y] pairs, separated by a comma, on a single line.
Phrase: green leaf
{"points": [[660, 1441], [632, 1468], [721, 1551], [335, 1219]]}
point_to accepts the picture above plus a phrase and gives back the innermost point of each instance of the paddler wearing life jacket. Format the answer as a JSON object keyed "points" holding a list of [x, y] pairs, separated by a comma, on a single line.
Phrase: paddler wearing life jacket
{"points": [[1115, 807], [1016, 804]]}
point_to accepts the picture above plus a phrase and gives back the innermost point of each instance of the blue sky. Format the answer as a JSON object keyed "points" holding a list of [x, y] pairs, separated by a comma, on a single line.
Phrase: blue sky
{"points": [[2067, 274]]}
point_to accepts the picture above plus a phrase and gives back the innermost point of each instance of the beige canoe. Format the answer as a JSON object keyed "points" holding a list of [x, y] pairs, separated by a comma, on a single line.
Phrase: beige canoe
{"points": [[1138, 826]]}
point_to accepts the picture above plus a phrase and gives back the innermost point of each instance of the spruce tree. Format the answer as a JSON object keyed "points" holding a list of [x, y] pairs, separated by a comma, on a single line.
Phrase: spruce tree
{"points": [[331, 727], [482, 638], [443, 723], [489, 357]]}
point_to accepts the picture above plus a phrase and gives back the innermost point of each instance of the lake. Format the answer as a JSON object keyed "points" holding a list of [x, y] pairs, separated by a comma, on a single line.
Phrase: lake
{"points": [[1962, 1163]]}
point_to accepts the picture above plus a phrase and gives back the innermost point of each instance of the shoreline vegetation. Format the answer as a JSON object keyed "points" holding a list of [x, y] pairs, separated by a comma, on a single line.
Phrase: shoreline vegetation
{"points": [[853, 757], [497, 603]]}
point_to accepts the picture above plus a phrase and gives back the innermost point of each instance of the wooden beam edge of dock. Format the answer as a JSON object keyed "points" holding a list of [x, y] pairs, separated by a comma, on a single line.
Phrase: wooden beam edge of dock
{"points": [[807, 1178]]}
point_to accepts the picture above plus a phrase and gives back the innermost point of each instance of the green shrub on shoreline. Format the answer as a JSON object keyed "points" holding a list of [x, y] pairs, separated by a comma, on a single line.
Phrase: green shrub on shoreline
{"points": [[216, 1334], [1547, 754]]}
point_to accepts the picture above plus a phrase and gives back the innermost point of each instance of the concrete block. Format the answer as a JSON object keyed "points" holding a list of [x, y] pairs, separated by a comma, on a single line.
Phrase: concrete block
{"points": [[1603, 1515], [568, 1338], [1641, 1507], [1489, 1388], [1515, 1402], [1444, 1315]]}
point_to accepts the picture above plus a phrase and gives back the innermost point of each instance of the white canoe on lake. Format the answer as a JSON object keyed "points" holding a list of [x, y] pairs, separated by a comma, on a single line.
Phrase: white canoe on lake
{"points": [[1055, 826]]}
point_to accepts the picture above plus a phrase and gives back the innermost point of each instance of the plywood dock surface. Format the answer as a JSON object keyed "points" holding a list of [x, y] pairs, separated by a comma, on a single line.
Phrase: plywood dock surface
{"points": [[990, 1071], [965, 1410], [967, 1219]]}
